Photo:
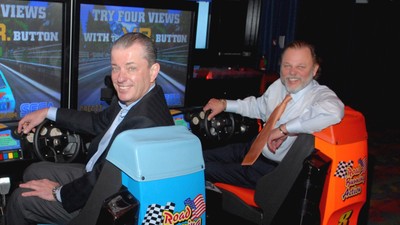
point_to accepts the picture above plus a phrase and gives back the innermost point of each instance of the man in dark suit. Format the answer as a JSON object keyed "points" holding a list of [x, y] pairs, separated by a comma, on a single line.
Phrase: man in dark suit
{"points": [[56, 192]]}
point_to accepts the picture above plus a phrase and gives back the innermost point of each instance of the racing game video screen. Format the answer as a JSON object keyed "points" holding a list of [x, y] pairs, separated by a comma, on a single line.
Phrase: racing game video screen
{"points": [[101, 24], [31, 44]]}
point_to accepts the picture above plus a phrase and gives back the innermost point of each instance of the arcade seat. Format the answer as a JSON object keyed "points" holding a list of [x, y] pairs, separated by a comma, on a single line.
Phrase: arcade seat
{"points": [[161, 172], [322, 180]]}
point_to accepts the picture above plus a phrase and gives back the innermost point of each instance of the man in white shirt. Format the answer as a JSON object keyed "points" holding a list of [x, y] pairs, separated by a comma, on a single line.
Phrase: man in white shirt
{"points": [[312, 108]]}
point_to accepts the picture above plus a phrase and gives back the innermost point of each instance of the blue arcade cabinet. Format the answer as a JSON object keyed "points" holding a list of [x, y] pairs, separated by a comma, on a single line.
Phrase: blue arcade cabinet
{"points": [[163, 168]]}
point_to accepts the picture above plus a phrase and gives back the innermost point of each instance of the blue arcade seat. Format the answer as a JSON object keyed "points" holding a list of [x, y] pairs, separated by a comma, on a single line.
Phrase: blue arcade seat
{"points": [[162, 168]]}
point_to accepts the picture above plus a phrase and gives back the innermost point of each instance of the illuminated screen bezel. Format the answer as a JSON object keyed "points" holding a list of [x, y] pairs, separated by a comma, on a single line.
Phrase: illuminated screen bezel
{"points": [[86, 98]]}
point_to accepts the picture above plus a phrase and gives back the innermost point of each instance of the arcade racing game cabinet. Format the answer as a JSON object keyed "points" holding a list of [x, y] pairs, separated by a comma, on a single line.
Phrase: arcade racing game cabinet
{"points": [[322, 180], [19, 151], [326, 180]]}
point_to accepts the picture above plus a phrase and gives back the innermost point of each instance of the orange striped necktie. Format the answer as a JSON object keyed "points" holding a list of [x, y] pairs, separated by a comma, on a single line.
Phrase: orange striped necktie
{"points": [[261, 140]]}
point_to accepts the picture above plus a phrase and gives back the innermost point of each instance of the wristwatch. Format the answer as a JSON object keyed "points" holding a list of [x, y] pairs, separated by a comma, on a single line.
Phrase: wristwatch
{"points": [[55, 190], [283, 132]]}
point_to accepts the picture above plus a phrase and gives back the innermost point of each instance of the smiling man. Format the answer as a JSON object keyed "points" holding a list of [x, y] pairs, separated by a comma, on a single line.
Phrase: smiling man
{"points": [[312, 107], [54, 192]]}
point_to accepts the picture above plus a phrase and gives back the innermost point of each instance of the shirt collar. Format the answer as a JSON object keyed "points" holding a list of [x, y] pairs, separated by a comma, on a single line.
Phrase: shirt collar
{"points": [[303, 91], [128, 107]]}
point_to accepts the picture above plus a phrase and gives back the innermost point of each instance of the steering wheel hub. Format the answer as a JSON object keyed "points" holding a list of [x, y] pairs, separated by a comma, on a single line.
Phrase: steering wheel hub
{"points": [[54, 144]]}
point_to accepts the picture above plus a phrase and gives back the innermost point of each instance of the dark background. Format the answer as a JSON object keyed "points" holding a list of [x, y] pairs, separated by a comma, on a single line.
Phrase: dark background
{"points": [[359, 47], [357, 42]]}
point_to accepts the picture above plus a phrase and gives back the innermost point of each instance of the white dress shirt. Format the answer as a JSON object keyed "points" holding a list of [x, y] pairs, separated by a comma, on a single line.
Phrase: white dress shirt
{"points": [[312, 109]]}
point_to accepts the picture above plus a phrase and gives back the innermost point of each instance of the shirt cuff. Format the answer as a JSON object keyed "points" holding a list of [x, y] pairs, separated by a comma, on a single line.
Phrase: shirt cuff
{"points": [[293, 126], [52, 113], [58, 194], [231, 106]]}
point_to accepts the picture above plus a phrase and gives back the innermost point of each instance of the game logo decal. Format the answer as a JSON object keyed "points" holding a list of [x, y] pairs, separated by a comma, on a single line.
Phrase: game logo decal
{"points": [[166, 215], [353, 175], [30, 56]]}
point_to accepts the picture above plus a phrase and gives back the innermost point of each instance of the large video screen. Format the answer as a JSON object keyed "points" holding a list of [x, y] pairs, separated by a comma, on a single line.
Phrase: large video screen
{"points": [[31, 56], [168, 23]]}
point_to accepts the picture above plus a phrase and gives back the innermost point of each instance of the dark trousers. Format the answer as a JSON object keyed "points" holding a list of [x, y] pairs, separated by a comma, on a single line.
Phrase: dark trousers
{"points": [[223, 164], [32, 210]]}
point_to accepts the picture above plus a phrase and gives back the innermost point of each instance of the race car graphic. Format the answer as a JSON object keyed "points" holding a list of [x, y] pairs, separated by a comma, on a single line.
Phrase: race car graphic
{"points": [[7, 100]]}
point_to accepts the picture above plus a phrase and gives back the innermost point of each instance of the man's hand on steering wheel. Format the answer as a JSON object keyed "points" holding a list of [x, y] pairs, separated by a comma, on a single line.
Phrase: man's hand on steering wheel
{"points": [[30, 121], [216, 106], [48, 142]]}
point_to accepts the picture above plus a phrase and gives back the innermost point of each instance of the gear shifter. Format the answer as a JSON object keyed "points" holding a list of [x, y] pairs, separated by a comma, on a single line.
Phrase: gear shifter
{"points": [[17, 135], [4, 189]]}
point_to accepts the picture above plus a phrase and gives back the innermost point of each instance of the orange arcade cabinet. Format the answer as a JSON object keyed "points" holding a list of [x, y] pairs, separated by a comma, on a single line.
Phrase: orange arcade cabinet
{"points": [[322, 180]]}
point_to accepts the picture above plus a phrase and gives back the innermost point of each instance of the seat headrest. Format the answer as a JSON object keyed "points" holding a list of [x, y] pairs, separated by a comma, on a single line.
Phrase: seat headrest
{"points": [[351, 129]]}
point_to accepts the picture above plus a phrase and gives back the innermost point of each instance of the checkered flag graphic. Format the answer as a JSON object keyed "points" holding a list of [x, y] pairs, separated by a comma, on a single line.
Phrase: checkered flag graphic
{"points": [[154, 213], [341, 170]]}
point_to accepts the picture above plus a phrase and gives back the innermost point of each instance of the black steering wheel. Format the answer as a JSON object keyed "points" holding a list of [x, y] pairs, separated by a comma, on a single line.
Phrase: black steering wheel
{"points": [[54, 144], [219, 128]]}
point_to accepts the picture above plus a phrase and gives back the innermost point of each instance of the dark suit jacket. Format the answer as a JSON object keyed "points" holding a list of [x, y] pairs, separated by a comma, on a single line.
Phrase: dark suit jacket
{"points": [[150, 111]]}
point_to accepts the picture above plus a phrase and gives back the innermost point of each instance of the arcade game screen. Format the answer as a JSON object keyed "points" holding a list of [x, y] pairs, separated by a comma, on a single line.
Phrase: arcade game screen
{"points": [[97, 26], [31, 56]]}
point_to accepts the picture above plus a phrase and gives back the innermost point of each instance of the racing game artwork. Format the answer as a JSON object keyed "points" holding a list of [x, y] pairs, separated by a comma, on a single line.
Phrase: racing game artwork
{"points": [[101, 25], [30, 57]]}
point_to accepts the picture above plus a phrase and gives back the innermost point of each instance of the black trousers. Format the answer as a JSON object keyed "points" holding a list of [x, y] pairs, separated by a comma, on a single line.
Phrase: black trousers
{"points": [[223, 164], [32, 210]]}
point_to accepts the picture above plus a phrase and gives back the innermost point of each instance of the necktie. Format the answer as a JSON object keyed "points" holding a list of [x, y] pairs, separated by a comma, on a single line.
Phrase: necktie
{"points": [[260, 141], [106, 139]]}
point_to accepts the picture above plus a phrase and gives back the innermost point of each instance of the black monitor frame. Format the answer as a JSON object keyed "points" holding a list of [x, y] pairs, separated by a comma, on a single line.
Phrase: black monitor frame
{"points": [[150, 4], [48, 58]]}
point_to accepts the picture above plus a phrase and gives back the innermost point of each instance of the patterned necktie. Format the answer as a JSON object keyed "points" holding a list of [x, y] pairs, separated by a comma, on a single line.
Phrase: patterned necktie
{"points": [[260, 141]]}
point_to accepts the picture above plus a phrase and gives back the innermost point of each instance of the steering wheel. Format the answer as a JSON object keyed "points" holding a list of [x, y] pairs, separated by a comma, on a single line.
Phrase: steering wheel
{"points": [[221, 127], [54, 144]]}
